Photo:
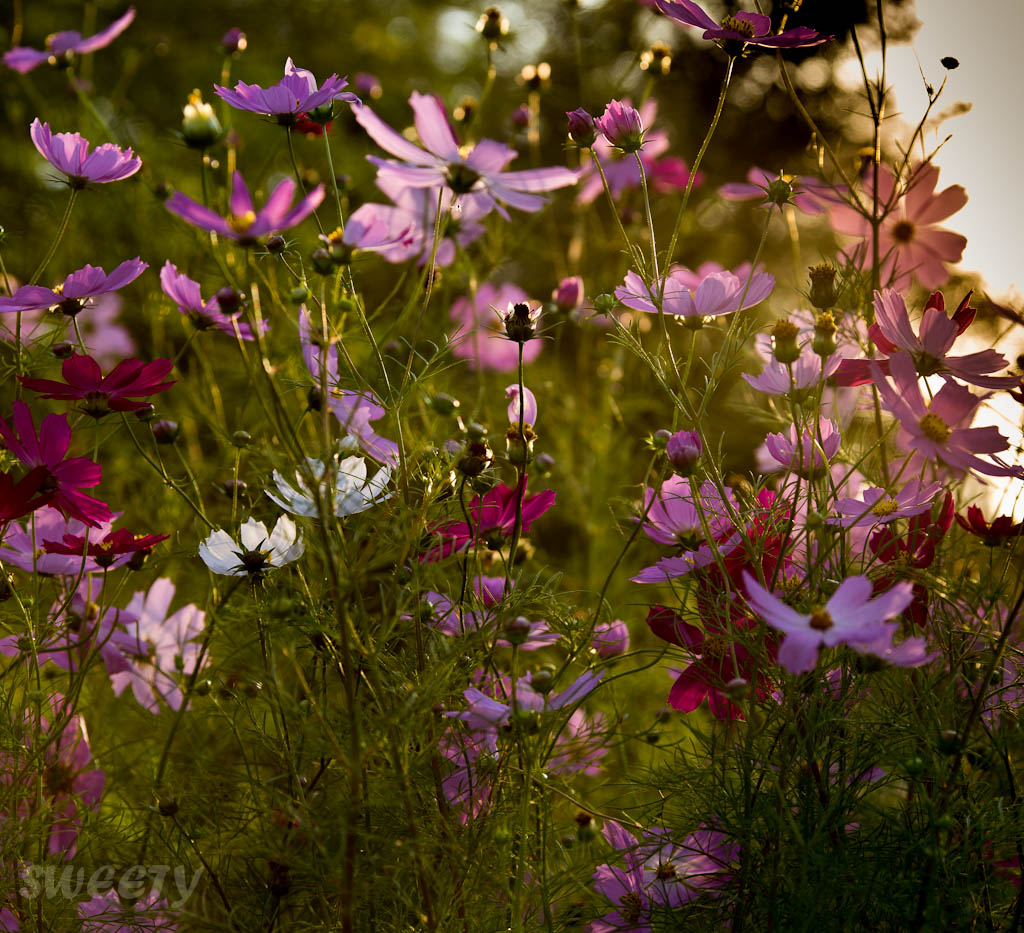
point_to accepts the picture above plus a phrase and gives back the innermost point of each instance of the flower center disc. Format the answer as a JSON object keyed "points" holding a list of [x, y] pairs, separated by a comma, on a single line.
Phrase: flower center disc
{"points": [[935, 429]]}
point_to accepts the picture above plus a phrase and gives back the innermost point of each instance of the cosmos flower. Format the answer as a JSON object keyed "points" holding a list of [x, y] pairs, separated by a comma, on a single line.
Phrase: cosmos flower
{"points": [[61, 45], [673, 517], [353, 491], [18, 498], [877, 506], [184, 292], [259, 551], [810, 455], [487, 713], [114, 549], [72, 295], [440, 161], [743, 28], [243, 222], [911, 243], [295, 93], [20, 546], [622, 126], [807, 196], [372, 228], [119, 390], [610, 639], [992, 532], [48, 449], [693, 298], [69, 153], [849, 617]]}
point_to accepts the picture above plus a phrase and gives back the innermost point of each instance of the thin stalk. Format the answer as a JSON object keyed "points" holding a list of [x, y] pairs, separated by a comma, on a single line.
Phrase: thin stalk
{"points": [[61, 230], [298, 174]]}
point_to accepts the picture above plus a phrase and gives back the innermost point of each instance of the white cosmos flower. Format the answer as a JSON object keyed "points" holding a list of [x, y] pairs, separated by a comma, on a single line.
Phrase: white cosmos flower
{"points": [[353, 492], [258, 552]]}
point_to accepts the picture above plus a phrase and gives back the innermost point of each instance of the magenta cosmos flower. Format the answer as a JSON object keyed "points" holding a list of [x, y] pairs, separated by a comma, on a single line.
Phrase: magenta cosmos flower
{"points": [[244, 223], [938, 432], [61, 45], [850, 617], [493, 518], [877, 506], [18, 498], [440, 161], [48, 449], [112, 550], [692, 300], [69, 153], [809, 455], [745, 28], [295, 93], [71, 295], [911, 243], [480, 337], [184, 292], [119, 390], [622, 126]]}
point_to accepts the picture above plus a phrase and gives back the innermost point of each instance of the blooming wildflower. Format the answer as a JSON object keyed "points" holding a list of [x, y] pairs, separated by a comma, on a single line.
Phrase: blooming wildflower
{"points": [[849, 617], [119, 390], [48, 449], [258, 552], [715, 294], [610, 639], [22, 547], [622, 173], [809, 455], [160, 648], [295, 93], [808, 192], [937, 432], [911, 652], [107, 913], [622, 126], [69, 153], [370, 229], [441, 161], [61, 45], [892, 333], [244, 223], [568, 297], [673, 517], [910, 242], [993, 532], [18, 498], [493, 517], [743, 28], [71, 295], [112, 550], [480, 338], [804, 373], [487, 713], [353, 491], [683, 449], [877, 506], [184, 292]]}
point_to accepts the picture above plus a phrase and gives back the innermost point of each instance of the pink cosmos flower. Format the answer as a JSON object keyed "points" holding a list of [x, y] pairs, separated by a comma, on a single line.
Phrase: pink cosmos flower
{"points": [[112, 550], [493, 517], [372, 229], [72, 295], [527, 407], [691, 297], [487, 713], [810, 455], [610, 639], [808, 195], [161, 648], [673, 517], [877, 506], [683, 449], [119, 390], [107, 913], [69, 153], [744, 28], [480, 337], [22, 547], [244, 223], [295, 93], [849, 617], [440, 161], [938, 432], [804, 374], [910, 244], [622, 173], [622, 126], [61, 45], [184, 292], [48, 449]]}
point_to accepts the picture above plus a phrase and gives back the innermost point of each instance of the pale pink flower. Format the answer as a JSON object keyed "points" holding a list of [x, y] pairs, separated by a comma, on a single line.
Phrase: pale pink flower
{"points": [[877, 506], [687, 295]]}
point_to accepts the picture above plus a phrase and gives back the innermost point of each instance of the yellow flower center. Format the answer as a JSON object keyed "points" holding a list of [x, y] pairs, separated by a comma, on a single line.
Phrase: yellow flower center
{"points": [[242, 223], [820, 621], [935, 429], [884, 507], [742, 26]]}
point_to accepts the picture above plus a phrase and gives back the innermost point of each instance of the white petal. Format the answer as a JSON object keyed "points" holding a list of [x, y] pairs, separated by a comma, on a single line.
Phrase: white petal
{"points": [[254, 535]]}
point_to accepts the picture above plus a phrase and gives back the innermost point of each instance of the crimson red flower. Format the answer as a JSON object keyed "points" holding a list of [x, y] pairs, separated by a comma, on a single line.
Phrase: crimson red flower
{"points": [[117, 391], [493, 519], [112, 550], [26, 495], [63, 477], [992, 533]]}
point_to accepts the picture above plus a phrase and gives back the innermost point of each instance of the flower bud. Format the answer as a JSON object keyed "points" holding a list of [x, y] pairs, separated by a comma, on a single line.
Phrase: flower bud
{"points": [[569, 294], [824, 342], [137, 561], [622, 126], [276, 244], [165, 432], [823, 286], [519, 444], [367, 85], [784, 344], [520, 321], [228, 300], [659, 439], [146, 413], [536, 77], [517, 630], [233, 41], [62, 350], [683, 450], [167, 806], [949, 62], [492, 25], [543, 679], [476, 458], [443, 404], [321, 260], [582, 129], [241, 439], [586, 830], [611, 639], [780, 191], [200, 127], [476, 431], [298, 295]]}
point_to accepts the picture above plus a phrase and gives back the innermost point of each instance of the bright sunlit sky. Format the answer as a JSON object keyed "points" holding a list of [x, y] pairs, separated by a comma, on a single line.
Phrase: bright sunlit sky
{"points": [[985, 152]]}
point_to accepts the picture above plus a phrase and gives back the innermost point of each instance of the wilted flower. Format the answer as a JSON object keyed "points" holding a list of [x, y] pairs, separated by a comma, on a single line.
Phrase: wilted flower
{"points": [[353, 491], [520, 321], [69, 153], [61, 45], [258, 552]]}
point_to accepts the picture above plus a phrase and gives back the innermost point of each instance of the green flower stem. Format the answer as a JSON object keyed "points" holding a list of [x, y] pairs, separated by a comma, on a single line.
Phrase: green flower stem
{"points": [[61, 230]]}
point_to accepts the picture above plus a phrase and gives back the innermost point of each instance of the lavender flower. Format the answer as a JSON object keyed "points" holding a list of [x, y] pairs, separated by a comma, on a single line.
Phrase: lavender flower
{"points": [[877, 506], [69, 153], [691, 300], [61, 45], [295, 93], [70, 297], [184, 292]]}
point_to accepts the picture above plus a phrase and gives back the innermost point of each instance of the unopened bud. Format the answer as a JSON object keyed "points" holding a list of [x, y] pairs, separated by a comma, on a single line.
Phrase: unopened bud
{"points": [[824, 342], [492, 25], [582, 128], [519, 444], [443, 404], [476, 458], [228, 300], [683, 450], [165, 432], [823, 286], [200, 127], [63, 350], [298, 295], [517, 630], [241, 438], [167, 806], [784, 344], [543, 679], [276, 244], [233, 41], [321, 260], [586, 830]]}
